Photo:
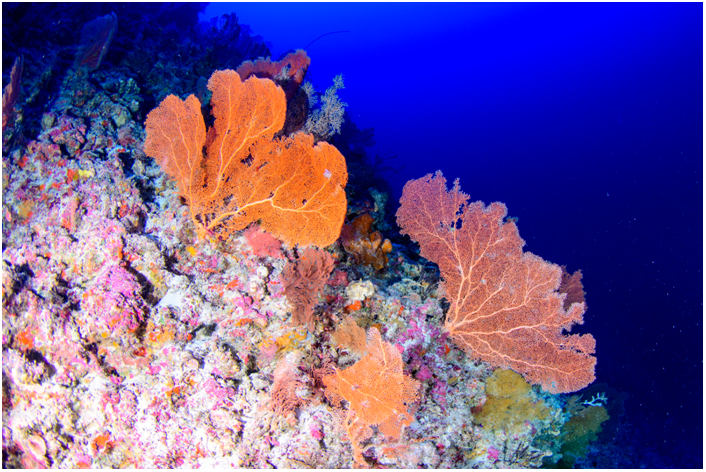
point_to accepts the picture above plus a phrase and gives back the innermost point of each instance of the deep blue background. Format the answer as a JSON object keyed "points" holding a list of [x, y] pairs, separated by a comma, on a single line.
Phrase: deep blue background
{"points": [[586, 120]]}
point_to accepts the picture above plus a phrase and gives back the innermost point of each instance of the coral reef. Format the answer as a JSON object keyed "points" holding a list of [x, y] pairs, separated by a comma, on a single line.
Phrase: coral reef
{"points": [[509, 406], [261, 243], [130, 342]]}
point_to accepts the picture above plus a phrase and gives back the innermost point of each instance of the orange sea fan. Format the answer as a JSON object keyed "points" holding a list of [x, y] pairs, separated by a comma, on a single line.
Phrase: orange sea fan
{"points": [[505, 307], [294, 188]]}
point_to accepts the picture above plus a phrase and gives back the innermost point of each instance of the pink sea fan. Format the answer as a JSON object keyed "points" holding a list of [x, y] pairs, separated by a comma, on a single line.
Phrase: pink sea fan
{"points": [[283, 393], [96, 36], [303, 280]]}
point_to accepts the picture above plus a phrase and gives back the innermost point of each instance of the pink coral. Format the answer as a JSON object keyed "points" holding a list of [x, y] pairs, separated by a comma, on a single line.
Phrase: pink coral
{"points": [[493, 453], [263, 244], [316, 433], [287, 73], [113, 302]]}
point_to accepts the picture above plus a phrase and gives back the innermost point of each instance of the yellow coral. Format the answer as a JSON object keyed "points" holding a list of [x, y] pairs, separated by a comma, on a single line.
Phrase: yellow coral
{"points": [[290, 341], [581, 430], [510, 404]]}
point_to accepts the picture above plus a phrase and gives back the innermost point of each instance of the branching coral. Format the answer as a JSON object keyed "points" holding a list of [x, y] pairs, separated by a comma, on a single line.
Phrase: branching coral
{"points": [[326, 120]]}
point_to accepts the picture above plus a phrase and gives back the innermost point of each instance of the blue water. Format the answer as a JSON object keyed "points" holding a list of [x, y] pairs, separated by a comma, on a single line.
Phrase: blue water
{"points": [[584, 119]]}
